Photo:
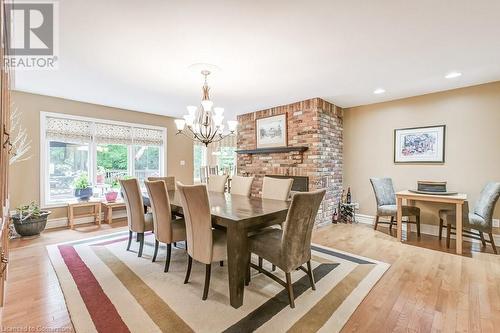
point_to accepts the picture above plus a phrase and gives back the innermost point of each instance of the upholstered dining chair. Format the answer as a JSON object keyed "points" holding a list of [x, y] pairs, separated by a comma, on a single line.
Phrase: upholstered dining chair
{"points": [[217, 183], [169, 181], [288, 248], [386, 204], [205, 244], [241, 185], [138, 222], [276, 188], [166, 229], [480, 219]]}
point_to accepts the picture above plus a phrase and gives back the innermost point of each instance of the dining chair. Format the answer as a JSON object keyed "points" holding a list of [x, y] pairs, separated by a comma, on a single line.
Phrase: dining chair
{"points": [[288, 248], [241, 185], [138, 221], [166, 229], [480, 219], [276, 188], [217, 183], [205, 244], [386, 204], [169, 181]]}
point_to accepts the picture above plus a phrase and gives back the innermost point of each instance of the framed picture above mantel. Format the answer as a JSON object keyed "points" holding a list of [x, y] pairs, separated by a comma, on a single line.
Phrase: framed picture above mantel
{"points": [[271, 131], [419, 144]]}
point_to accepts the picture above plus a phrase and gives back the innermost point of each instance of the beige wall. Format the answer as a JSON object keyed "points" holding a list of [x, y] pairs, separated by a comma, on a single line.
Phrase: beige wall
{"points": [[25, 176], [472, 119]]}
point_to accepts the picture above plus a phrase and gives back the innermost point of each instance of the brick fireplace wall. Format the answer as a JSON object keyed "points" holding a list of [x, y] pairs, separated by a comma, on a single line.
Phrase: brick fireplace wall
{"points": [[314, 123]]}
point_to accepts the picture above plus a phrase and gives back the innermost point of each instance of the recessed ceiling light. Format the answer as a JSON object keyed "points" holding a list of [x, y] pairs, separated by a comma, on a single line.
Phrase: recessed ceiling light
{"points": [[452, 75], [379, 91]]}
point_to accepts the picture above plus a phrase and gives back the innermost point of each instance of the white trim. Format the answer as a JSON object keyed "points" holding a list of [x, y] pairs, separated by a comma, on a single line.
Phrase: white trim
{"points": [[427, 229], [44, 179]]}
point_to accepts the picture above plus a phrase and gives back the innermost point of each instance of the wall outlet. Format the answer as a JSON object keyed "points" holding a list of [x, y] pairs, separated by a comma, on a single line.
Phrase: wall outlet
{"points": [[183, 162]]}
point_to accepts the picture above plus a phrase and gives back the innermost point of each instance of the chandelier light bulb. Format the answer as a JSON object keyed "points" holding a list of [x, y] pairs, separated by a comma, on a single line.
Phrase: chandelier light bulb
{"points": [[218, 111], [180, 124], [192, 110], [207, 104], [232, 124]]}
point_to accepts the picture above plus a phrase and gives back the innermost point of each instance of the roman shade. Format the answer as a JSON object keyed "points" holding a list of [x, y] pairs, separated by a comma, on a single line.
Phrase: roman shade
{"points": [[68, 130], [113, 134]]}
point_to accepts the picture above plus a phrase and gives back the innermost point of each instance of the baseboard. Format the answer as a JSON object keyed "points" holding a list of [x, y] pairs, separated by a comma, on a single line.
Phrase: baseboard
{"points": [[427, 229], [63, 221]]}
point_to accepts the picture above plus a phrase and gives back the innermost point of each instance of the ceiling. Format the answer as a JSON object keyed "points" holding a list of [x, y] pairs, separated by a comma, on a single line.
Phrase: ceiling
{"points": [[135, 54]]}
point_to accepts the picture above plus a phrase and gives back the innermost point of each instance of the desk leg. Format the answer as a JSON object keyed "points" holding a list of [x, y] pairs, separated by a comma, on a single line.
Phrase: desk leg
{"points": [[236, 263], [400, 218], [458, 223]]}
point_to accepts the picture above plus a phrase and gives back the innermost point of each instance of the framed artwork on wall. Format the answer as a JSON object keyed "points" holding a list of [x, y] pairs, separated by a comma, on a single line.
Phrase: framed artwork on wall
{"points": [[419, 144], [271, 131]]}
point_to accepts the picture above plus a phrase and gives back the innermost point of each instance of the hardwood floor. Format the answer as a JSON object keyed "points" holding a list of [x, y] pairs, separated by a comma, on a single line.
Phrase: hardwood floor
{"points": [[426, 289]]}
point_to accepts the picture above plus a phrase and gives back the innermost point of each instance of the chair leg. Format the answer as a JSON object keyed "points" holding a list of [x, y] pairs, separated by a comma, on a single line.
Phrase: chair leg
{"points": [[440, 229], [207, 281], [289, 288], [188, 271], [310, 274], [221, 263], [167, 262], [129, 239], [390, 225], [247, 273], [493, 243], [376, 222], [482, 238], [175, 244], [141, 244], [156, 250], [448, 235], [260, 262], [417, 218], [273, 268]]}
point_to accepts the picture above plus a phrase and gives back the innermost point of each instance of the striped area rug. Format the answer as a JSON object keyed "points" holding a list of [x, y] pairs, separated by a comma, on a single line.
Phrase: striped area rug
{"points": [[109, 289]]}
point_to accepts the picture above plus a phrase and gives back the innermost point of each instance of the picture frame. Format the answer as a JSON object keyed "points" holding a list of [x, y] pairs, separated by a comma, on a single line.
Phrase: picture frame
{"points": [[420, 144], [271, 132]]}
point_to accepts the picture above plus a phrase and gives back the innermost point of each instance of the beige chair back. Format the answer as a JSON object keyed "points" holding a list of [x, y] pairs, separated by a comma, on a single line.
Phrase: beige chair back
{"points": [[133, 201], [169, 181], [196, 207], [162, 214], [217, 183], [241, 185], [297, 230], [276, 188]]}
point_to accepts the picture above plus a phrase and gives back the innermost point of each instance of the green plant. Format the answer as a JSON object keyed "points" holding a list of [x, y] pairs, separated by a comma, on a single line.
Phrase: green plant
{"points": [[115, 184], [32, 210], [82, 182]]}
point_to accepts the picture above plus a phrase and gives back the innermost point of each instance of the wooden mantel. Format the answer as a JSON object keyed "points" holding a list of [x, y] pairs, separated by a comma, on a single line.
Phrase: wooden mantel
{"points": [[272, 150]]}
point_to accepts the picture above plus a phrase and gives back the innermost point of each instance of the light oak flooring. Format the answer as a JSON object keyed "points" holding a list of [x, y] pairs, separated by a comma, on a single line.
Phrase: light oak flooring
{"points": [[426, 289]]}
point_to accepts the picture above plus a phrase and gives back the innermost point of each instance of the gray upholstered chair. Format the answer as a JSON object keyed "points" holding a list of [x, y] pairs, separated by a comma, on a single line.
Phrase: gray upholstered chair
{"points": [[241, 185], [276, 188], [386, 204], [138, 222], [204, 244], [166, 229], [480, 219], [217, 183], [288, 248]]}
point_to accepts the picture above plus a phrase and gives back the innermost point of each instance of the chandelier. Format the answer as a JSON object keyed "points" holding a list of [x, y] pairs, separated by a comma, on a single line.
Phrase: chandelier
{"points": [[204, 124]]}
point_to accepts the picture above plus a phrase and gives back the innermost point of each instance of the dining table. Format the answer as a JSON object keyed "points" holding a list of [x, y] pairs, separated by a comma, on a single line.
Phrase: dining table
{"points": [[238, 215]]}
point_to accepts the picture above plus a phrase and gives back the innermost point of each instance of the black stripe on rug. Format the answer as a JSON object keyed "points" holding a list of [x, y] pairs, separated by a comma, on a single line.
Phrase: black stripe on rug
{"points": [[342, 255], [270, 308]]}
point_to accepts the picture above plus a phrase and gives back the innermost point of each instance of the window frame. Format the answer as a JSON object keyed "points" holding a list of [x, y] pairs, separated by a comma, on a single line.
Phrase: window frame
{"points": [[44, 149]]}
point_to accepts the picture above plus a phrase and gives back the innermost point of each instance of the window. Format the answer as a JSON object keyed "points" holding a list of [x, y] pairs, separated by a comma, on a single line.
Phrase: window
{"points": [[199, 160], [103, 150]]}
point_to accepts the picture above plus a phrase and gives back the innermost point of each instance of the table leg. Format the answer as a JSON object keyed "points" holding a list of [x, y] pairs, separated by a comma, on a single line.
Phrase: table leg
{"points": [[236, 262], [70, 217], [110, 215], [458, 224], [98, 207], [399, 218]]}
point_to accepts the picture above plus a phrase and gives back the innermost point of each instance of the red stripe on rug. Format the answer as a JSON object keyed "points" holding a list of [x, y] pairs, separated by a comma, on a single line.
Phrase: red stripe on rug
{"points": [[101, 310]]}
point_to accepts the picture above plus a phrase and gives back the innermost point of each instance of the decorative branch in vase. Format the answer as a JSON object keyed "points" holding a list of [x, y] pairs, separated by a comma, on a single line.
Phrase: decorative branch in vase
{"points": [[20, 143]]}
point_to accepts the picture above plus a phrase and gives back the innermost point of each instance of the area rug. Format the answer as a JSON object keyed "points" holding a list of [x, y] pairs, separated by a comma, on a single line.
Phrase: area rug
{"points": [[109, 289]]}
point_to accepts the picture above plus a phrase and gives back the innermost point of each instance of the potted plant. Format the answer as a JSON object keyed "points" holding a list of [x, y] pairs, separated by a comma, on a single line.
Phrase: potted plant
{"points": [[83, 190], [113, 193], [29, 220]]}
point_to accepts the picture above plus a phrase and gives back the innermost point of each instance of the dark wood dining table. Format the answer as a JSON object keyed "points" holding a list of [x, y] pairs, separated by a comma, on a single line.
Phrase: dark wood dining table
{"points": [[238, 215]]}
